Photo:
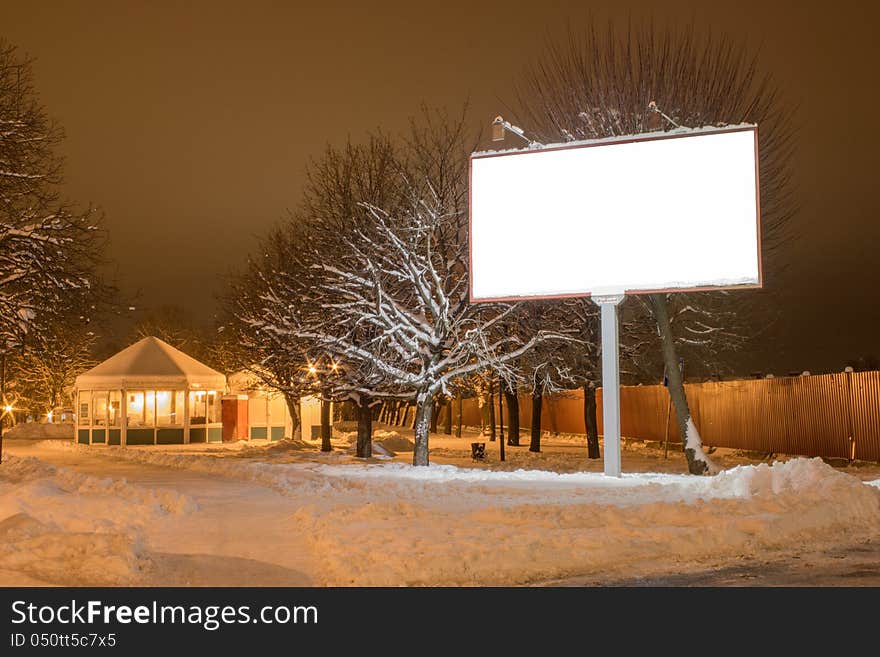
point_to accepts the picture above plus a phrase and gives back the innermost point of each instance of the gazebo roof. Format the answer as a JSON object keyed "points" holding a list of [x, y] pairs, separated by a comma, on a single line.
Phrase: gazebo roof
{"points": [[150, 363]]}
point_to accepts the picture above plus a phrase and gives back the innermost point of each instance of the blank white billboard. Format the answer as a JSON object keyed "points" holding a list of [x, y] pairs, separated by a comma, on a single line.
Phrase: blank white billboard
{"points": [[640, 214]]}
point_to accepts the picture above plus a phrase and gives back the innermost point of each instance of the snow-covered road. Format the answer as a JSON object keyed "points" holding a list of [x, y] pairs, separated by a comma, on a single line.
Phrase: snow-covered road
{"points": [[86, 519], [285, 515]]}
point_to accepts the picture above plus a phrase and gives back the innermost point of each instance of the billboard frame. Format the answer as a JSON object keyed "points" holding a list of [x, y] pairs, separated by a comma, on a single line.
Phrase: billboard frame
{"points": [[594, 143]]}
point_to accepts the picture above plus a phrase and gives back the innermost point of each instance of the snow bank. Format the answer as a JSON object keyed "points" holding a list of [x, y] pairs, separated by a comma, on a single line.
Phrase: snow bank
{"points": [[393, 441], [40, 431], [280, 447], [385, 443], [629, 526], [368, 523], [378, 449], [261, 464], [21, 471], [64, 527]]}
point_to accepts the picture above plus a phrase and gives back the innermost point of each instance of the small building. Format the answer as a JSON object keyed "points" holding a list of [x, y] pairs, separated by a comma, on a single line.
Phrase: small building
{"points": [[256, 411], [149, 394], [261, 410]]}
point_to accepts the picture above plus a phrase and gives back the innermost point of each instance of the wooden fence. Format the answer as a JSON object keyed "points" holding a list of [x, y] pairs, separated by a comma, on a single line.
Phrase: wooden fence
{"points": [[833, 415]]}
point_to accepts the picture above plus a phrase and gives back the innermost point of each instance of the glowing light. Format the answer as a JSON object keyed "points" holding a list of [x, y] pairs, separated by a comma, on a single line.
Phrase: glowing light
{"points": [[312, 369], [8, 408]]}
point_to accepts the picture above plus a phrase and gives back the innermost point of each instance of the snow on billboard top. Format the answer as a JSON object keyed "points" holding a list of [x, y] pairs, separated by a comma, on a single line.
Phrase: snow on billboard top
{"points": [[648, 213]]}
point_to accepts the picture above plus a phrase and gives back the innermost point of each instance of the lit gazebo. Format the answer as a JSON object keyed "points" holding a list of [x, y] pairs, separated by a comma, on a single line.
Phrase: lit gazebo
{"points": [[149, 394]]}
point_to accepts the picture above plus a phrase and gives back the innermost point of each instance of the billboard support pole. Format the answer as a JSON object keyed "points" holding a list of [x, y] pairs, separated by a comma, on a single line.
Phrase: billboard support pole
{"points": [[610, 381]]}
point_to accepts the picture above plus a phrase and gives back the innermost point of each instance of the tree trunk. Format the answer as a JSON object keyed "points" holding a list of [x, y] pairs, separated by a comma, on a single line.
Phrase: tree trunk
{"points": [[698, 462], [365, 428], [512, 416], [292, 402], [54, 403], [460, 417], [424, 411], [591, 423], [447, 420], [326, 428], [414, 406], [436, 415], [537, 403], [492, 427], [483, 401]]}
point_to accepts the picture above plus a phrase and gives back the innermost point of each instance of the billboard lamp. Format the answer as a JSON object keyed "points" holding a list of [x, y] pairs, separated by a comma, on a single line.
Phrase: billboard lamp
{"points": [[500, 126]]}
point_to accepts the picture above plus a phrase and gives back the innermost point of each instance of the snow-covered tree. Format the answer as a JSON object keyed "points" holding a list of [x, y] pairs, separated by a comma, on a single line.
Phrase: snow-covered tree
{"points": [[49, 251], [340, 187], [45, 371], [392, 294], [270, 285], [603, 84], [482, 384], [281, 294], [542, 370], [582, 361], [580, 356]]}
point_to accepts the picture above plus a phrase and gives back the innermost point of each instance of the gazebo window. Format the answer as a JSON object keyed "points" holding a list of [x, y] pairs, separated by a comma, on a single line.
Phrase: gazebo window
{"points": [[198, 407], [136, 409], [115, 408], [85, 404], [169, 407], [213, 406], [99, 414], [204, 407], [150, 408]]}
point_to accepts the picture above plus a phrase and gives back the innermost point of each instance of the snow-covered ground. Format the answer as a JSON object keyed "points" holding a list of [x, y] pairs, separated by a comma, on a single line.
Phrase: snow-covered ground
{"points": [[286, 514]]}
